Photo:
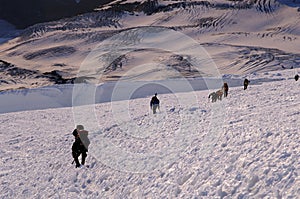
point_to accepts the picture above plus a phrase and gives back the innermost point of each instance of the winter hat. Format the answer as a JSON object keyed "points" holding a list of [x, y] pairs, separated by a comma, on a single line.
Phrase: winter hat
{"points": [[79, 127]]}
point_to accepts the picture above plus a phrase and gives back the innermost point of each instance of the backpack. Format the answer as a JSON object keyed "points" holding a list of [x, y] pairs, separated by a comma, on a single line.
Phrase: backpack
{"points": [[83, 135], [81, 140], [154, 100]]}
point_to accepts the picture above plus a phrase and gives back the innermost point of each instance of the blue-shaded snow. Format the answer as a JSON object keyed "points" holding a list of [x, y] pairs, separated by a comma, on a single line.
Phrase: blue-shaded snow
{"points": [[59, 96]]}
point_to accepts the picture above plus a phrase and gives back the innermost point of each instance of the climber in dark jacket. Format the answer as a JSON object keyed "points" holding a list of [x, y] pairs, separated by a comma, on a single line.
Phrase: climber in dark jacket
{"points": [[154, 103], [225, 89], [246, 83], [80, 145]]}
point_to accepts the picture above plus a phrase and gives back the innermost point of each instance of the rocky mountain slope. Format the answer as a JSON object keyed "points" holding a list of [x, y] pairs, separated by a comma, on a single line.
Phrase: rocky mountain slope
{"points": [[240, 37]]}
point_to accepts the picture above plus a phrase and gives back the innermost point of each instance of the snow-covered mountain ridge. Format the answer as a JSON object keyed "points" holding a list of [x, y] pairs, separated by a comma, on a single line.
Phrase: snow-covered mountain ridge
{"points": [[241, 37]]}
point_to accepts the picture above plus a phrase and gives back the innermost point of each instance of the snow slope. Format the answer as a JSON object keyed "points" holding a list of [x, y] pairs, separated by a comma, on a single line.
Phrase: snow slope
{"points": [[61, 96], [245, 146]]}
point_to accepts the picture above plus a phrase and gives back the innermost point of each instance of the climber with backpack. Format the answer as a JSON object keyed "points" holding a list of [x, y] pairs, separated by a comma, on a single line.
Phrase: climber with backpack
{"points": [[80, 145], [154, 103], [246, 83]]}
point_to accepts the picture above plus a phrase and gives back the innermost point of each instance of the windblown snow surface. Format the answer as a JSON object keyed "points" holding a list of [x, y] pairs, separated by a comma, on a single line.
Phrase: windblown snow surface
{"points": [[245, 146]]}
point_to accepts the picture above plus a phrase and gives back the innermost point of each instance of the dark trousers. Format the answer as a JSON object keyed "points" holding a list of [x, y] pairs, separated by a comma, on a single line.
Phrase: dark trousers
{"points": [[154, 107], [225, 93], [76, 156]]}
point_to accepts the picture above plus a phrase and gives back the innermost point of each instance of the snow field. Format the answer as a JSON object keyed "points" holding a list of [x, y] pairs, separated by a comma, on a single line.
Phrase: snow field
{"points": [[245, 146]]}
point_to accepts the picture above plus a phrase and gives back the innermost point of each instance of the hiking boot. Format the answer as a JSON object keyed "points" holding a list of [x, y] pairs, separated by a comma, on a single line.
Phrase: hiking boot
{"points": [[78, 166]]}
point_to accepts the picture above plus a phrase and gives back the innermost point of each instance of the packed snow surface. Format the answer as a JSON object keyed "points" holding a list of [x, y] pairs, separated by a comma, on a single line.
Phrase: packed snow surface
{"points": [[245, 146]]}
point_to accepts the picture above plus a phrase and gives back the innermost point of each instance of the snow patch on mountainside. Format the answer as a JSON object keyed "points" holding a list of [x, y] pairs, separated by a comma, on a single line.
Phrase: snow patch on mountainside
{"points": [[241, 37]]}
